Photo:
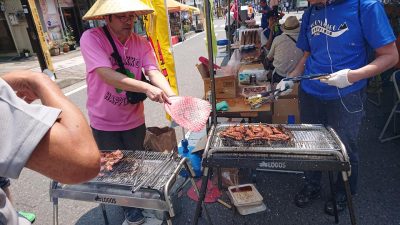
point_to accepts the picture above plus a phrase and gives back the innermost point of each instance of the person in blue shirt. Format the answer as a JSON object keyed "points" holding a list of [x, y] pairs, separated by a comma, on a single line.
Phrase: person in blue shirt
{"points": [[264, 10], [335, 37], [265, 14]]}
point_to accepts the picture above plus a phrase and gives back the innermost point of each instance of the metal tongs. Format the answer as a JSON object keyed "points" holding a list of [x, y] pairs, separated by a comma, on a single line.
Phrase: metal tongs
{"points": [[256, 101], [319, 76], [154, 174]]}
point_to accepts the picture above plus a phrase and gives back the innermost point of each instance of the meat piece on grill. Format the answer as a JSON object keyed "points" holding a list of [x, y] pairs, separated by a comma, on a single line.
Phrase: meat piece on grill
{"points": [[109, 159], [256, 129], [267, 129], [279, 137]]}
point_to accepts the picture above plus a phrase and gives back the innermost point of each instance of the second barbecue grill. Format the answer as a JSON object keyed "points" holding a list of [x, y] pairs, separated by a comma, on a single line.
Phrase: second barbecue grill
{"points": [[141, 179], [311, 148]]}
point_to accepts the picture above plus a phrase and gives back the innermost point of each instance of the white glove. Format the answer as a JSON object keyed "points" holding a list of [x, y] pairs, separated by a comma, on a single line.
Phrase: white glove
{"points": [[338, 79], [285, 86]]}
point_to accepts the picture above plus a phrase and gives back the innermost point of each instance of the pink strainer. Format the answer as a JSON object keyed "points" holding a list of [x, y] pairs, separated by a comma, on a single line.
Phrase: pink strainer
{"points": [[189, 112]]}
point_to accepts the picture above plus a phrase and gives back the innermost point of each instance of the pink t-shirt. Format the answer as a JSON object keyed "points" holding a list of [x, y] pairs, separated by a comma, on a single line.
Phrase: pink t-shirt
{"points": [[107, 109]]}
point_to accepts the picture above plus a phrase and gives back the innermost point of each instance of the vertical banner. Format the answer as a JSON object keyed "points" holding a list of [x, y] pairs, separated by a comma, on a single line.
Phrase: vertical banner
{"points": [[213, 37], [40, 35], [157, 29]]}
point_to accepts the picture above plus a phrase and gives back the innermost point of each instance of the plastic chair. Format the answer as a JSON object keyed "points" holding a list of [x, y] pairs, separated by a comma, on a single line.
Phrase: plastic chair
{"points": [[395, 78]]}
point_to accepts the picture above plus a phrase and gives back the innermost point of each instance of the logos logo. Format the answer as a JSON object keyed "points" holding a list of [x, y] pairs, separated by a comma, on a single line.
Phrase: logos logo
{"points": [[105, 200], [273, 165]]}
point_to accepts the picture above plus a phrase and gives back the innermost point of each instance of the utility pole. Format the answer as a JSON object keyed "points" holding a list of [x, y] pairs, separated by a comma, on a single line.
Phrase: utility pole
{"points": [[36, 34], [195, 5]]}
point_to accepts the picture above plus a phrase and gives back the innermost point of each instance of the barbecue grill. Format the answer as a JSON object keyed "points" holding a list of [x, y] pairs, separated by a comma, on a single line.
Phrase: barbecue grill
{"points": [[312, 147], [140, 179]]}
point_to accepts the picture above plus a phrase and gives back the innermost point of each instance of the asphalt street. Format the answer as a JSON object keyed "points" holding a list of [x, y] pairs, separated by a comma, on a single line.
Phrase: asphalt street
{"points": [[376, 203]]}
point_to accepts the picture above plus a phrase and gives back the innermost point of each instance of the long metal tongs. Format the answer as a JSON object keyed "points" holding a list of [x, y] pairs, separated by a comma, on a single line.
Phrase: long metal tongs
{"points": [[307, 77], [155, 172], [139, 169], [256, 101]]}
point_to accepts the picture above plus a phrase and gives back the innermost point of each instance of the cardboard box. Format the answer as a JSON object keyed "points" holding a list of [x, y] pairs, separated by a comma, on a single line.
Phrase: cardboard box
{"points": [[257, 66], [225, 87], [285, 107]]}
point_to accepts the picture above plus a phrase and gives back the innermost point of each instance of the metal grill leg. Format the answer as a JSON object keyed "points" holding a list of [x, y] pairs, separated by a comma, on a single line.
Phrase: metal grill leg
{"points": [[200, 203], [333, 194], [349, 198], [103, 210], [219, 172], [168, 219], [55, 211]]}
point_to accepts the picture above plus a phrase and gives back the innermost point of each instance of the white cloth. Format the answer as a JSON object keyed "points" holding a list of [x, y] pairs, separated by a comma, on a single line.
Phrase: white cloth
{"points": [[285, 53]]}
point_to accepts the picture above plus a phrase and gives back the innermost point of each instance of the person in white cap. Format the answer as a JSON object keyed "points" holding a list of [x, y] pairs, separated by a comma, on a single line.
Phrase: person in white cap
{"points": [[283, 53], [115, 94]]}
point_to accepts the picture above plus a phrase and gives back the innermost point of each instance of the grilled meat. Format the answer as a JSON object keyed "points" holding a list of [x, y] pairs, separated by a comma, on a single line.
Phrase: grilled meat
{"points": [[255, 132], [109, 159]]}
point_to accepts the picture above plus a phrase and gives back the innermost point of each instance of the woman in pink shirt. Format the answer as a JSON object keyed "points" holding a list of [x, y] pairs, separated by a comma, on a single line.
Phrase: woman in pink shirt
{"points": [[116, 123]]}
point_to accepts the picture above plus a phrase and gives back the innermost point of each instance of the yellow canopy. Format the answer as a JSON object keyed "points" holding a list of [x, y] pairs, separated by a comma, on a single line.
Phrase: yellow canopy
{"points": [[194, 9], [174, 6]]}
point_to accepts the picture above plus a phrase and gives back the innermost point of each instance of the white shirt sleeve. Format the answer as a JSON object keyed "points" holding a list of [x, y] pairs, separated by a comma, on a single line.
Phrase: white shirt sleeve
{"points": [[22, 126]]}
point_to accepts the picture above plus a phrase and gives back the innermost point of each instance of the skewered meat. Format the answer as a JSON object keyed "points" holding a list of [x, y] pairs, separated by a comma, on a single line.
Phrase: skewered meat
{"points": [[109, 159]]}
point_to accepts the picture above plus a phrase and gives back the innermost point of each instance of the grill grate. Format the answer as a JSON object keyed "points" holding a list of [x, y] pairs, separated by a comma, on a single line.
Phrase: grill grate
{"points": [[304, 137], [140, 167]]}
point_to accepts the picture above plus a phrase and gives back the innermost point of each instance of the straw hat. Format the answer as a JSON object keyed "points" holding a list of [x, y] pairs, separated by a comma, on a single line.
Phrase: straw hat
{"points": [[102, 8], [291, 25]]}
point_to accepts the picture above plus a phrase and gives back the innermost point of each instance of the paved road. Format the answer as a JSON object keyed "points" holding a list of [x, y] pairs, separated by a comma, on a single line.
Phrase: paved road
{"points": [[377, 202]]}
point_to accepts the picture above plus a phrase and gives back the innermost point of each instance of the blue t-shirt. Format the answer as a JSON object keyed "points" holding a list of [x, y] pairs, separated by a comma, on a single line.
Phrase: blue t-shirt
{"points": [[338, 37], [264, 17]]}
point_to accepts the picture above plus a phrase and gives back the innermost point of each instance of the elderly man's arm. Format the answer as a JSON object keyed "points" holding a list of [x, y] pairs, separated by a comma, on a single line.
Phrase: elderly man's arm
{"points": [[158, 79], [68, 152], [121, 81]]}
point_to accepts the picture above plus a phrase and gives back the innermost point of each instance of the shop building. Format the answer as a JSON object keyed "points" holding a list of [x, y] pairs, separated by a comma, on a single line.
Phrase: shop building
{"points": [[59, 18], [13, 35]]}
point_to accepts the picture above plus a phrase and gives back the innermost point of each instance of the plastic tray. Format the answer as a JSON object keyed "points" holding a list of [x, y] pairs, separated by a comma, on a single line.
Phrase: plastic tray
{"points": [[245, 195], [246, 210]]}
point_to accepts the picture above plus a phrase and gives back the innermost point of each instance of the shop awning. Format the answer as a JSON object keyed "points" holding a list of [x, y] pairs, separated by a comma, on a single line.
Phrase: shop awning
{"points": [[195, 10], [174, 6]]}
